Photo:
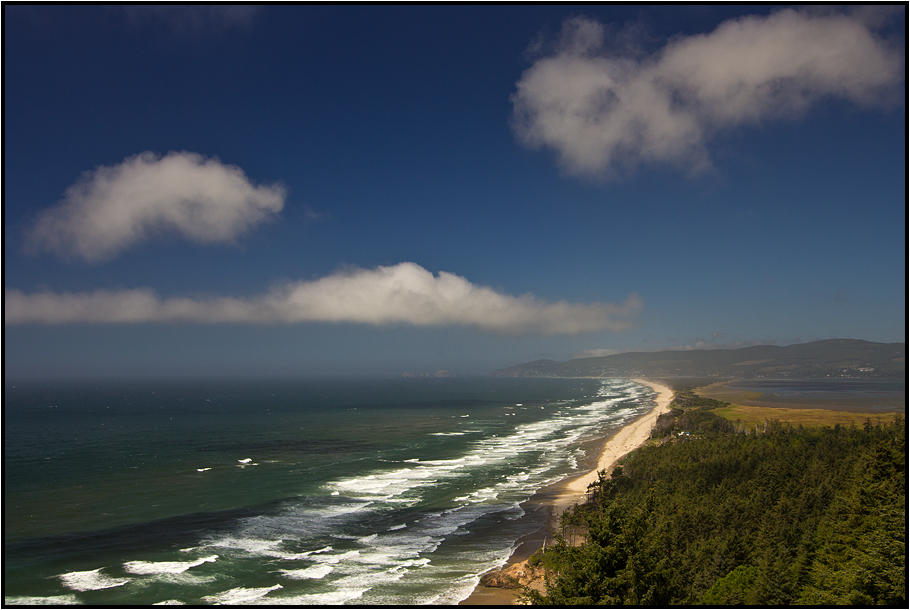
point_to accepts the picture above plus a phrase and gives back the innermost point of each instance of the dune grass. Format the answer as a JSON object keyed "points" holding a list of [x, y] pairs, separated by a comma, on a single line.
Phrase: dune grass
{"points": [[806, 417], [752, 408]]}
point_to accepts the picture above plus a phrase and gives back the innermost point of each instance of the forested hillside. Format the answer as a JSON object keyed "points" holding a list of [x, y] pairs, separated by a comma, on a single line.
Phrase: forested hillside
{"points": [[721, 514], [831, 358]]}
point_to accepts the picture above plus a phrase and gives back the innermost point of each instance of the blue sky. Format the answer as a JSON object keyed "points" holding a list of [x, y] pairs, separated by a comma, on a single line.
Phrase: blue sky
{"points": [[294, 190]]}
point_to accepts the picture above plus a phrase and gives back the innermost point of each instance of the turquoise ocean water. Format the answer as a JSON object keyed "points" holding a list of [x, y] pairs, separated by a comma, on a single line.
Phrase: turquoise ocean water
{"points": [[394, 492]]}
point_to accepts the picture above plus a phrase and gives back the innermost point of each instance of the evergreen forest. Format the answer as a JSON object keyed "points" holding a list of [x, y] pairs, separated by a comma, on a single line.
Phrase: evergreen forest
{"points": [[713, 512]]}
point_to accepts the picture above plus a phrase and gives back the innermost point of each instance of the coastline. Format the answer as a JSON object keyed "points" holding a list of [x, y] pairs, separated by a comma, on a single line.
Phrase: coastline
{"points": [[626, 439], [568, 492]]}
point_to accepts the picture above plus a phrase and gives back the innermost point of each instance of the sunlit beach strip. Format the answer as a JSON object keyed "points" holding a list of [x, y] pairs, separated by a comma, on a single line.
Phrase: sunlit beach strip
{"points": [[574, 490]]}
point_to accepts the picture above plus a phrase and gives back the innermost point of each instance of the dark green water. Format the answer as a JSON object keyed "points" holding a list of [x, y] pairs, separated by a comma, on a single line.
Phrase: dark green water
{"points": [[283, 492]]}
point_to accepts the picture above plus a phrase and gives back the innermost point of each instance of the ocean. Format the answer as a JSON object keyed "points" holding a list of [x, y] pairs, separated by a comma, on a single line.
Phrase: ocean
{"points": [[393, 492]]}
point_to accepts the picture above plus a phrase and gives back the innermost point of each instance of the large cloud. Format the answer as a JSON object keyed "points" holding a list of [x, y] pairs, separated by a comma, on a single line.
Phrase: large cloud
{"points": [[606, 111], [111, 208], [405, 294]]}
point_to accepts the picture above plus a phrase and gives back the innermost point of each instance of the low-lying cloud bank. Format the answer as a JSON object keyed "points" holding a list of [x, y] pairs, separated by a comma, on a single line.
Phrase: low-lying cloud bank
{"points": [[401, 294], [112, 208], [605, 110]]}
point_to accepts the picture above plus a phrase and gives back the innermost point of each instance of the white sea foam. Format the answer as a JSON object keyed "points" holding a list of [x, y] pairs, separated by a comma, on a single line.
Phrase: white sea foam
{"points": [[257, 546], [525, 458], [369, 578], [347, 555], [333, 598], [458, 590], [510, 466], [313, 572], [165, 567], [240, 595], [91, 580], [202, 469], [53, 600], [547, 438], [183, 579], [170, 602], [252, 545]]}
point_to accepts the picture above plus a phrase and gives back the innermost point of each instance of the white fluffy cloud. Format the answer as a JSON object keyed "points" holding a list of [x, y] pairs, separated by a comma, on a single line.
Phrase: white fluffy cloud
{"points": [[112, 208], [605, 111], [401, 294]]}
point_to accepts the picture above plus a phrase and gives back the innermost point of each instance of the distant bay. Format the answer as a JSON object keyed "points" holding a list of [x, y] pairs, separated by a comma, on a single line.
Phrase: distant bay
{"points": [[857, 395]]}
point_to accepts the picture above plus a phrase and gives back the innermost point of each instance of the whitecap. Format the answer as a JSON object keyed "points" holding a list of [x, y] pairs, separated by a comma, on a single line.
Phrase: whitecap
{"points": [[547, 448], [240, 595], [313, 572], [91, 580], [337, 558], [53, 600], [256, 546], [165, 567], [370, 578], [202, 469], [183, 579], [259, 546], [333, 598]]}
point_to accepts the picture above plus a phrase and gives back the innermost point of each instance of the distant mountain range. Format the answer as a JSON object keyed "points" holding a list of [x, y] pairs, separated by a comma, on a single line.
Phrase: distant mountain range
{"points": [[845, 358]]}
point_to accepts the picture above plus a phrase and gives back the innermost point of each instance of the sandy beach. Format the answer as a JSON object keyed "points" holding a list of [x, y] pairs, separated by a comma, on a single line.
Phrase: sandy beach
{"points": [[573, 491], [625, 440]]}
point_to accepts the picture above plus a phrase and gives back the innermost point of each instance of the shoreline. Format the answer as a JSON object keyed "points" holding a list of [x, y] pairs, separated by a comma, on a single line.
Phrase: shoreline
{"points": [[564, 494]]}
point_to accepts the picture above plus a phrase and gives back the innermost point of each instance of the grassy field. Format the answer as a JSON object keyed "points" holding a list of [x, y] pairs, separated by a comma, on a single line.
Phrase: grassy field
{"points": [[806, 417], [751, 409], [720, 391]]}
